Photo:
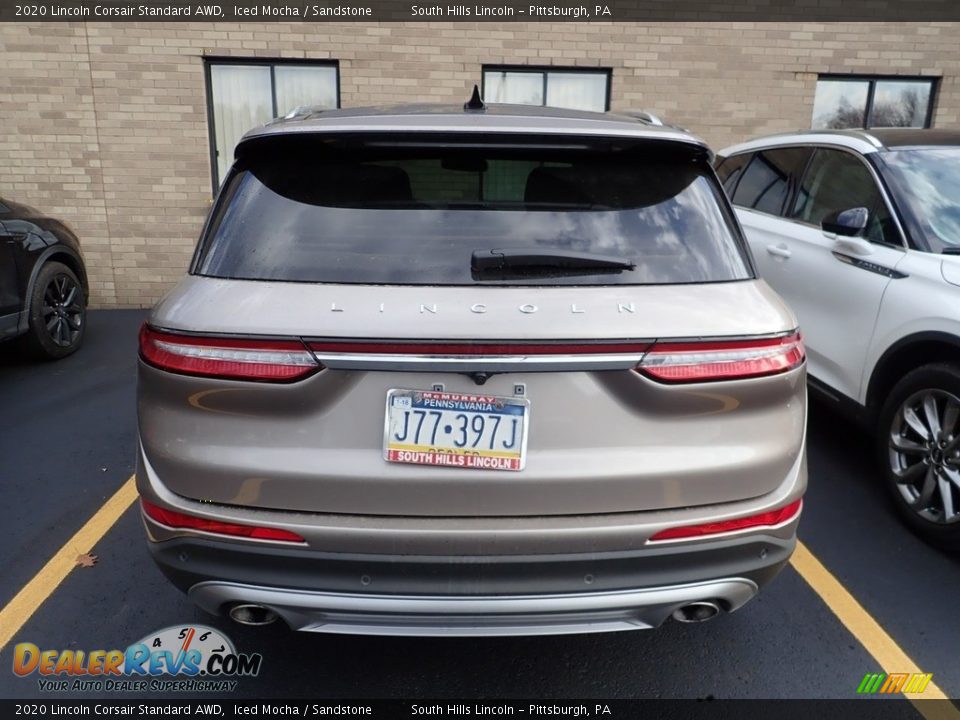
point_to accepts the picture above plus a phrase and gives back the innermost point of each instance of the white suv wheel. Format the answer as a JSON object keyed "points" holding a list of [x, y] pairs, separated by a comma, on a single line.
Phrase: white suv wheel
{"points": [[919, 446]]}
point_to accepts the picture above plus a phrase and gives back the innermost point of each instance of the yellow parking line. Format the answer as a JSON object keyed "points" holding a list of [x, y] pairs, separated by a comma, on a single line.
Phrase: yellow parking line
{"points": [[851, 613], [868, 631], [34, 593]]}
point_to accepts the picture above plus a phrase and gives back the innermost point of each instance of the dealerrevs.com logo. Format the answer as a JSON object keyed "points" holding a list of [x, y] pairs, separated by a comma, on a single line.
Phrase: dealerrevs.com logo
{"points": [[190, 658]]}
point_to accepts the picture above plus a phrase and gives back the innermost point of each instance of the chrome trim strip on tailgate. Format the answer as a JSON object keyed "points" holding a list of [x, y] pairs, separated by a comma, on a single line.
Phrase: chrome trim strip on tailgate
{"points": [[473, 363]]}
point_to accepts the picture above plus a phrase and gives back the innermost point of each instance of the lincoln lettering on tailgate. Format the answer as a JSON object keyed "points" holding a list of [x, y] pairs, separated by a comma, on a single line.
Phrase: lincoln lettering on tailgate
{"points": [[464, 430]]}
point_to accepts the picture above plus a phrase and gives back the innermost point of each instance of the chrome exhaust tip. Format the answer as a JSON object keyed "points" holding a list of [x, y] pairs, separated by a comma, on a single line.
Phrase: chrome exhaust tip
{"points": [[696, 612], [248, 614]]}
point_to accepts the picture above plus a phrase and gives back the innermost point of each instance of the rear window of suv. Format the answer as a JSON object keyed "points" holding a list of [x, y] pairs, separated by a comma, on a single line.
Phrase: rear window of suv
{"points": [[364, 211]]}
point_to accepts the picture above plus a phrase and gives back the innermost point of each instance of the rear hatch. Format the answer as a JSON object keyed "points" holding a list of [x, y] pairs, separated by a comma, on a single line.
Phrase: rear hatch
{"points": [[466, 326]]}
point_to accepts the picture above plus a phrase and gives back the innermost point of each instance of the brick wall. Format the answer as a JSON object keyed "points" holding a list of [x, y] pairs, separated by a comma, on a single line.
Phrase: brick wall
{"points": [[105, 125]]}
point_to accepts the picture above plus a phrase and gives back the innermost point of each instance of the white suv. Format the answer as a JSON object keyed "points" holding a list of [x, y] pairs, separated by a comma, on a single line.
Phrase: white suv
{"points": [[860, 233]]}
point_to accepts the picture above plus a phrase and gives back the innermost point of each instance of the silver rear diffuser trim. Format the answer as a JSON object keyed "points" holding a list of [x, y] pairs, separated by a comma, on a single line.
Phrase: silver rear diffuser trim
{"points": [[451, 615]]}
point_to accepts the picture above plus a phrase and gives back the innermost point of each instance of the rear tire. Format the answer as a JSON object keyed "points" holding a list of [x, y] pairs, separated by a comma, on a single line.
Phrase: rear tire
{"points": [[57, 313], [918, 448]]}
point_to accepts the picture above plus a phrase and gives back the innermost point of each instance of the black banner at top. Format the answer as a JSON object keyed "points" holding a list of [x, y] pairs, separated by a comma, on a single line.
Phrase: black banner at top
{"points": [[524, 11]]}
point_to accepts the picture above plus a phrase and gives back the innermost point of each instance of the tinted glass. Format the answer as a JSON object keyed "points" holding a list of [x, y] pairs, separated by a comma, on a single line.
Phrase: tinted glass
{"points": [[837, 180], [415, 216], [730, 169], [768, 178], [927, 182]]}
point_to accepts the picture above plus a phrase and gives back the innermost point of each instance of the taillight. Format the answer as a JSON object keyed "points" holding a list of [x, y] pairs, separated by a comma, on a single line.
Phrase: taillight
{"points": [[230, 358], [175, 520], [680, 362], [769, 519]]}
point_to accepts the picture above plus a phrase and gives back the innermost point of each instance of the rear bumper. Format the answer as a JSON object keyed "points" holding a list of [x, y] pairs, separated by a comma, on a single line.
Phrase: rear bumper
{"points": [[358, 613], [474, 595], [472, 576]]}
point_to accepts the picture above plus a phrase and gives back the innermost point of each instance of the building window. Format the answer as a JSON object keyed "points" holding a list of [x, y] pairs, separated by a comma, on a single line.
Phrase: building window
{"points": [[863, 102], [242, 94], [572, 88]]}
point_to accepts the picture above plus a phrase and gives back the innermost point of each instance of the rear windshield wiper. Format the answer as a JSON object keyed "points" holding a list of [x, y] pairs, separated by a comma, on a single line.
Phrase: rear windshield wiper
{"points": [[531, 258]]}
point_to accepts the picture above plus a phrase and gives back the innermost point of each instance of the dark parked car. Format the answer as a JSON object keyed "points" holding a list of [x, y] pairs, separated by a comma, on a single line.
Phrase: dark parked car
{"points": [[43, 283]]}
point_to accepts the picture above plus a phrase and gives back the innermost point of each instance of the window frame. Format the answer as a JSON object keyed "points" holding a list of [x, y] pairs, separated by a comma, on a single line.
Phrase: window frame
{"points": [[872, 80], [545, 70], [748, 154], [905, 240], [878, 183], [210, 60], [792, 183]]}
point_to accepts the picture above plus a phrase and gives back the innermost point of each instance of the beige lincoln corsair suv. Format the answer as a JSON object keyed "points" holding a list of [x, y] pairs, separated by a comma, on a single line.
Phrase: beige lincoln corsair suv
{"points": [[471, 370]]}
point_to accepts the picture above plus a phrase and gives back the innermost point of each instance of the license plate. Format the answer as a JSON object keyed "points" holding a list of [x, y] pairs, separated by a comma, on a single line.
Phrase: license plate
{"points": [[458, 430]]}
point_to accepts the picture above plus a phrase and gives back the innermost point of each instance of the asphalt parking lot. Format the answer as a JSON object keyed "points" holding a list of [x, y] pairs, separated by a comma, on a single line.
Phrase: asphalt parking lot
{"points": [[67, 436]]}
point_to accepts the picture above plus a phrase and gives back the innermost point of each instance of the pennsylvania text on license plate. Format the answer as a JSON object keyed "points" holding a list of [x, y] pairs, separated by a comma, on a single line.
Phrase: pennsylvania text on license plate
{"points": [[463, 430]]}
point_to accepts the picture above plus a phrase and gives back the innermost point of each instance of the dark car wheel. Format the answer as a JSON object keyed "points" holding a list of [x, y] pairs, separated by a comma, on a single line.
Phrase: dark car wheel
{"points": [[918, 444], [58, 313]]}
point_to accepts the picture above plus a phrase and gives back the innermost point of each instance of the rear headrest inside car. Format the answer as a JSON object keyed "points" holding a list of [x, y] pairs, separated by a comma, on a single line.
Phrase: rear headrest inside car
{"points": [[550, 185], [347, 185], [609, 185]]}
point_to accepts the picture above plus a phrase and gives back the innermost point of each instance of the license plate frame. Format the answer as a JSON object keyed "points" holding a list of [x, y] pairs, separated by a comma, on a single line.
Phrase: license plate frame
{"points": [[456, 404]]}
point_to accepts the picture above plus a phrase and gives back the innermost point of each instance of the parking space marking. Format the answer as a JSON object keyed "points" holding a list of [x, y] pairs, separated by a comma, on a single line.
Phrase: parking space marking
{"points": [[871, 635], [34, 593], [875, 640]]}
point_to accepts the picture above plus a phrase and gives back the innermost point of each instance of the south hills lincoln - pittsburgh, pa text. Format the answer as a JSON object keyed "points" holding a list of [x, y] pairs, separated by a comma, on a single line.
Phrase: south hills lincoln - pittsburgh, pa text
{"points": [[545, 11]]}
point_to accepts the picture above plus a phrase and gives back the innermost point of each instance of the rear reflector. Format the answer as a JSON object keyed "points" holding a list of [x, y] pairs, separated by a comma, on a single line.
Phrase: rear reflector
{"points": [[236, 359], [767, 519], [683, 362], [176, 520]]}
